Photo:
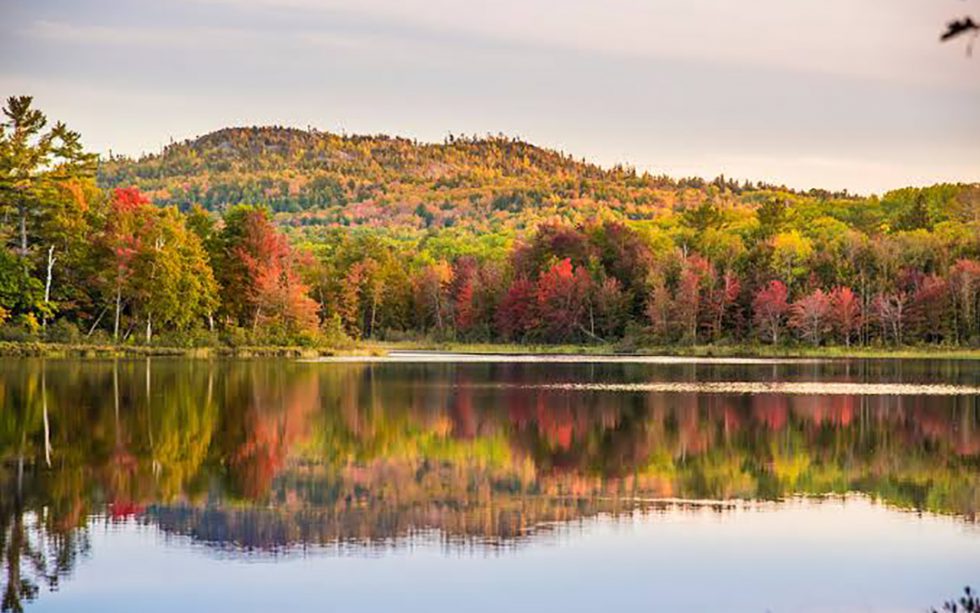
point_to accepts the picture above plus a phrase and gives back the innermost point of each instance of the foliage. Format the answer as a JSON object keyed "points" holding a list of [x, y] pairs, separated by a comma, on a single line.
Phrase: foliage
{"points": [[287, 236], [259, 276], [770, 308], [968, 603], [810, 316]]}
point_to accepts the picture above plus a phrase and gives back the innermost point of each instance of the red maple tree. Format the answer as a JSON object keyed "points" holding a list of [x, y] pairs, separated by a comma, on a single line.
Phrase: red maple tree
{"points": [[810, 316], [562, 300], [770, 306], [845, 312]]}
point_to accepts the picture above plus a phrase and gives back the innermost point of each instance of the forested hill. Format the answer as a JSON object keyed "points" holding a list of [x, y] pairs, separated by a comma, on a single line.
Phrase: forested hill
{"points": [[492, 183], [477, 239]]}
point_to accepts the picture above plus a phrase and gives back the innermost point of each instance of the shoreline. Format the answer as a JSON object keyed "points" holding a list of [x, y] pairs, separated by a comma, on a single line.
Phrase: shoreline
{"points": [[377, 350], [84, 350], [678, 351]]}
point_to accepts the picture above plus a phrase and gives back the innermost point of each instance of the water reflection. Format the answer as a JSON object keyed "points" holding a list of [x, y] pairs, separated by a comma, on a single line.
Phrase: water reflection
{"points": [[266, 456]]}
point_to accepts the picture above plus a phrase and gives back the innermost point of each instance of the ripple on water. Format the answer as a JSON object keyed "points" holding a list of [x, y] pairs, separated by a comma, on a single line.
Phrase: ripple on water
{"points": [[759, 387]]}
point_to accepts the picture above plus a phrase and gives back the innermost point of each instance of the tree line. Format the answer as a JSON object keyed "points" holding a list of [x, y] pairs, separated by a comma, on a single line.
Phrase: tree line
{"points": [[80, 261], [609, 281]]}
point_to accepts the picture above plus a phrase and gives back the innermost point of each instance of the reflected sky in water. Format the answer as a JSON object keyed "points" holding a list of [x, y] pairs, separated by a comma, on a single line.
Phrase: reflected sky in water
{"points": [[256, 485]]}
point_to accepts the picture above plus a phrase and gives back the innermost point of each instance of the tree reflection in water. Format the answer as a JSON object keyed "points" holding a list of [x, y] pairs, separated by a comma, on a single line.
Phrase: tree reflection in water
{"points": [[263, 456]]}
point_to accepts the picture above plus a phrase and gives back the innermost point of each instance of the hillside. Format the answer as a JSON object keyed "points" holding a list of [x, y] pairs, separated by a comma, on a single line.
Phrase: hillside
{"points": [[311, 237], [323, 179]]}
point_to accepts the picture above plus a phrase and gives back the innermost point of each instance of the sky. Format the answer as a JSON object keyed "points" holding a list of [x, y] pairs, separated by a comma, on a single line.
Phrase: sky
{"points": [[837, 94]]}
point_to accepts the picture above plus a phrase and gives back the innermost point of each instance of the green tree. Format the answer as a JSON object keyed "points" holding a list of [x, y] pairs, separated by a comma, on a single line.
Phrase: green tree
{"points": [[172, 284], [790, 252], [36, 167], [155, 266]]}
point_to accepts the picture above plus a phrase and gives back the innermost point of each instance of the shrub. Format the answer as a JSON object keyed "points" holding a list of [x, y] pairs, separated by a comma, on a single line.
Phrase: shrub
{"points": [[63, 331], [30, 323], [333, 335], [16, 333], [99, 337], [235, 336]]}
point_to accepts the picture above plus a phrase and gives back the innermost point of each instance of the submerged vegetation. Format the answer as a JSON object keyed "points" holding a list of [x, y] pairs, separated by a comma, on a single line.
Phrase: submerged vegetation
{"points": [[275, 236]]}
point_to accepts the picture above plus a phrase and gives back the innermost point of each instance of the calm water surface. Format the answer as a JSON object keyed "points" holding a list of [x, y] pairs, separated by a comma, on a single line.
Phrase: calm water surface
{"points": [[159, 485]]}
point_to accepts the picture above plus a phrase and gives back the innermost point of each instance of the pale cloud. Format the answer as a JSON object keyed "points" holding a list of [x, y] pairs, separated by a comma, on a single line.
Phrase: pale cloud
{"points": [[143, 36], [876, 39], [810, 93], [218, 38]]}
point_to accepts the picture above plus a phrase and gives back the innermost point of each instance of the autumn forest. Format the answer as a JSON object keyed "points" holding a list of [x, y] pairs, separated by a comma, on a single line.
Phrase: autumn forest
{"points": [[278, 236]]}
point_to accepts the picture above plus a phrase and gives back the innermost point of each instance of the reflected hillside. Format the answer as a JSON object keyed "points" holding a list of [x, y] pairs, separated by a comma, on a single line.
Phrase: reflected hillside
{"points": [[269, 455]]}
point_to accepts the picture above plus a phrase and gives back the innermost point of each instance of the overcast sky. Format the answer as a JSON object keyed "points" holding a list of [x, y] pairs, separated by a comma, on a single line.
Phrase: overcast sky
{"points": [[854, 94]]}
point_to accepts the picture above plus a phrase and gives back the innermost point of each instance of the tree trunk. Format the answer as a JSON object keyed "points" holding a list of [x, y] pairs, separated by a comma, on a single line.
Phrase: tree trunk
{"points": [[97, 320], [22, 209], [591, 322], [590, 334], [438, 303], [149, 328], [115, 329], [47, 286], [374, 314]]}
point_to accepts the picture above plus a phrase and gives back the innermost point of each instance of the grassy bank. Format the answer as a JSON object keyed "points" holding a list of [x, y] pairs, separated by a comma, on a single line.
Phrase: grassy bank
{"points": [[83, 350], [754, 350]]}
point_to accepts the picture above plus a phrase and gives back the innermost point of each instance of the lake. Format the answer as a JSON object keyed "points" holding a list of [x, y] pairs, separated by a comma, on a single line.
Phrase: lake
{"points": [[449, 483]]}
